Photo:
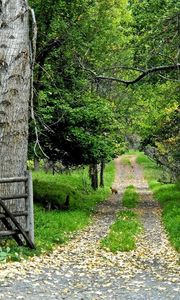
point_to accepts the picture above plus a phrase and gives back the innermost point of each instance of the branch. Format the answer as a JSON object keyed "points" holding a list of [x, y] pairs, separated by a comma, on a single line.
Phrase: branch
{"points": [[42, 55], [125, 68], [50, 46], [141, 76], [167, 78], [33, 56]]}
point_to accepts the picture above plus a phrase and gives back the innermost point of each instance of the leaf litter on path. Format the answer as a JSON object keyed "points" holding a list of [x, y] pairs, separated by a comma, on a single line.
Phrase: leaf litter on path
{"points": [[82, 270]]}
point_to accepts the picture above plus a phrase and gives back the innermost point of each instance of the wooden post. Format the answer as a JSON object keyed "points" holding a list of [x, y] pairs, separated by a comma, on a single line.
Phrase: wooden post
{"points": [[17, 225], [26, 231], [30, 217]]}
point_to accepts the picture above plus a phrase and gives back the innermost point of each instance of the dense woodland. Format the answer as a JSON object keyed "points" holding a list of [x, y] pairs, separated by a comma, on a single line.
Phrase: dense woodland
{"points": [[106, 78]]}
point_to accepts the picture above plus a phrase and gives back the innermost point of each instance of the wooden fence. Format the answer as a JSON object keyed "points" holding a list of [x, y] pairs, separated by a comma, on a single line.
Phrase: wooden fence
{"points": [[21, 233]]}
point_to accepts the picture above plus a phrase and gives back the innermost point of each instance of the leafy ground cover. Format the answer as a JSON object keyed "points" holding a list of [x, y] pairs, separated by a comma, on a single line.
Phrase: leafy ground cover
{"points": [[168, 196], [55, 226], [122, 234], [130, 197]]}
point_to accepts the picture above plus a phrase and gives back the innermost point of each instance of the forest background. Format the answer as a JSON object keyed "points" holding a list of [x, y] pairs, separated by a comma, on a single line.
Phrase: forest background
{"points": [[91, 102]]}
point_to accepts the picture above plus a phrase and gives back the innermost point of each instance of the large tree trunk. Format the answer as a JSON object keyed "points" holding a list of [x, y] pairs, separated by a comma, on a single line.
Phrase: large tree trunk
{"points": [[15, 74]]}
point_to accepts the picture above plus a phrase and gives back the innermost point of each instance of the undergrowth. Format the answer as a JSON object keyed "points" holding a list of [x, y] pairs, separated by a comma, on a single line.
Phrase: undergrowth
{"points": [[56, 227], [168, 196], [122, 234]]}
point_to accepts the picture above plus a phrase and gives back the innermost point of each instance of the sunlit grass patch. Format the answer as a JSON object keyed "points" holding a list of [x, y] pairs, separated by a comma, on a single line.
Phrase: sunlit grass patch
{"points": [[130, 197], [122, 234]]}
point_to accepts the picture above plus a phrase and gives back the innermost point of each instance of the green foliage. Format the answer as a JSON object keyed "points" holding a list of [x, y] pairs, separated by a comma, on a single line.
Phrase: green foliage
{"points": [[156, 31], [130, 197], [168, 196], [122, 233], [84, 134], [76, 37], [75, 124], [153, 112], [4, 253], [56, 227]]}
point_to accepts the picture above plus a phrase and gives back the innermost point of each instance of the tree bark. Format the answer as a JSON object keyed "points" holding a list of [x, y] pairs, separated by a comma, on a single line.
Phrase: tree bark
{"points": [[15, 78], [36, 164], [93, 173], [102, 173]]}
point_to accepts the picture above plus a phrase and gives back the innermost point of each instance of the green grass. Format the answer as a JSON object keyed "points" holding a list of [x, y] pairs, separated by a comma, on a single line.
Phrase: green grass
{"points": [[130, 197], [77, 185], [51, 227], [125, 160], [152, 172], [122, 234], [56, 227], [132, 152], [168, 196]]}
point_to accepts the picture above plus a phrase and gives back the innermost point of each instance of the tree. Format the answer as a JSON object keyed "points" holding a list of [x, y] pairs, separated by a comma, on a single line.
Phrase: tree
{"points": [[15, 78], [80, 134], [149, 107], [69, 113], [155, 44]]}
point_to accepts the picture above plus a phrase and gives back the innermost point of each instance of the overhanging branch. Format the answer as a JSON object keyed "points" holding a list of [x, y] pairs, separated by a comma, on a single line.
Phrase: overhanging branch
{"points": [[141, 76]]}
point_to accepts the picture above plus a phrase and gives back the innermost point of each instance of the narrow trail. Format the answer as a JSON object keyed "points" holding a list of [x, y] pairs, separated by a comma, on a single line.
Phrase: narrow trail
{"points": [[82, 270]]}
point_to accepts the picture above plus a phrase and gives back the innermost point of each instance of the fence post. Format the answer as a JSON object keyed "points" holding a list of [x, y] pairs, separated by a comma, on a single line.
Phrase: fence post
{"points": [[30, 220]]}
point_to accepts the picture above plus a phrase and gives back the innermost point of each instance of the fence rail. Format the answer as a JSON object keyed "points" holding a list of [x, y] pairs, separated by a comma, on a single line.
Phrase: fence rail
{"points": [[8, 218], [13, 179]]}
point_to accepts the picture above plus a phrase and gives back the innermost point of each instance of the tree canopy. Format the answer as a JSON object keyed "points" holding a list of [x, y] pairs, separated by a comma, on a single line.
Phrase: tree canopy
{"points": [[84, 50]]}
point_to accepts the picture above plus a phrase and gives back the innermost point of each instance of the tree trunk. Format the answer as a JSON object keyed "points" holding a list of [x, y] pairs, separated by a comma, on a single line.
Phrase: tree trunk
{"points": [[36, 164], [102, 173], [15, 78], [93, 173]]}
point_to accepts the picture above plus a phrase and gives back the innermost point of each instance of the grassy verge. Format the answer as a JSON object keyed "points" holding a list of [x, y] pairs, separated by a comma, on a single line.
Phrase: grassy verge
{"points": [[152, 172], [130, 197], [168, 196], [56, 227], [122, 234]]}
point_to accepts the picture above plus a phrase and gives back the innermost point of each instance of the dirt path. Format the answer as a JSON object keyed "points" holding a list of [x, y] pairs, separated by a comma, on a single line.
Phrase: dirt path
{"points": [[81, 270]]}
